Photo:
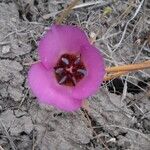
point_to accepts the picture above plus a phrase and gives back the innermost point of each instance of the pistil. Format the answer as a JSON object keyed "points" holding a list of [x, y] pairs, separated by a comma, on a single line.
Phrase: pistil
{"points": [[69, 69]]}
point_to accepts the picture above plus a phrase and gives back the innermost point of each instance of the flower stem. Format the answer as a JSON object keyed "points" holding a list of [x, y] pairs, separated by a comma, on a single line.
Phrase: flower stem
{"points": [[130, 67], [66, 11], [114, 72]]}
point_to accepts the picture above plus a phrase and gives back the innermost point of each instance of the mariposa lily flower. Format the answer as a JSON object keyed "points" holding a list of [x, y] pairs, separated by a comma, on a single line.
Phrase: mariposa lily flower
{"points": [[70, 68]]}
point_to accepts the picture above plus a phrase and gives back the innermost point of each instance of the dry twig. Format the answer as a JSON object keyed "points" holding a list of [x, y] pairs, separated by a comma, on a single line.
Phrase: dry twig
{"points": [[60, 19], [125, 128], [126, 26], [8, 136]]}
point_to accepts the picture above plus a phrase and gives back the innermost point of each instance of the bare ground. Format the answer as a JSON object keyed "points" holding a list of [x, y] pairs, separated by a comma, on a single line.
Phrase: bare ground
{"points": [[119, 115]]}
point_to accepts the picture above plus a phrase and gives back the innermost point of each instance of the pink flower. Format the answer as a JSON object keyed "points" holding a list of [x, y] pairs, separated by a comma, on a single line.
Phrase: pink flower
{"points": [[71, 69]]}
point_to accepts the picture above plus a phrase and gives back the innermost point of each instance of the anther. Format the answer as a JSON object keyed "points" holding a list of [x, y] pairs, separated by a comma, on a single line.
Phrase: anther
{"points": [[59, 70], [63, 80], [65, 60], [77, 61], [84, 72], [74, 80]]}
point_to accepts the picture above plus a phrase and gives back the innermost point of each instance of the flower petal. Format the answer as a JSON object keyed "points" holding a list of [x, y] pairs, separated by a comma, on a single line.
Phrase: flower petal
{"points": [[58, 40], [44, 86], [94, 63]]}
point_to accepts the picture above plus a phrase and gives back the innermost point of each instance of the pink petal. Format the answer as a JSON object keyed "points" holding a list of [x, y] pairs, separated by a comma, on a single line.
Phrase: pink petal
{"points": [[58, 40], [95, 67], [45, 87]]}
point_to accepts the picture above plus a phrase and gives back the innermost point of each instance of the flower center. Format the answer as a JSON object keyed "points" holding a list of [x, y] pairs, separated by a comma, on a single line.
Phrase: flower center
{"points": [[69, 69]]}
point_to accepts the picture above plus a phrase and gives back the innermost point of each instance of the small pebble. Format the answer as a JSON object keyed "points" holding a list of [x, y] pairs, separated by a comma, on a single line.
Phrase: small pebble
{"points": [[5, 49], [92, 35], [1, 108]]}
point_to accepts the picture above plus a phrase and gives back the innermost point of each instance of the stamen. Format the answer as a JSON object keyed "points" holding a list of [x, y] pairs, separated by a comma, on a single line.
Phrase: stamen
{"points": [[65, 60], [70, 69], [59, 70], [63, 80], [84, 72], [74, 81], [77, 61]]}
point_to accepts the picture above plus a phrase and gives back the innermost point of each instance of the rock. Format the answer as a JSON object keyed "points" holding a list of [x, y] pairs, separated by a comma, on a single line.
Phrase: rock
{"points": [[11, 76], [146, 125], [16, 125], [5, 49], [12, 32], [54, 140], [1, 108], [10, 70], [61, 128], [108, 109], [15, 93]]}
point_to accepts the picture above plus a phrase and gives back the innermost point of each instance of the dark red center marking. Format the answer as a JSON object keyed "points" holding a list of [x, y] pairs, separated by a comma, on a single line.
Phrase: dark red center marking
{"points": [[69, 69]]}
